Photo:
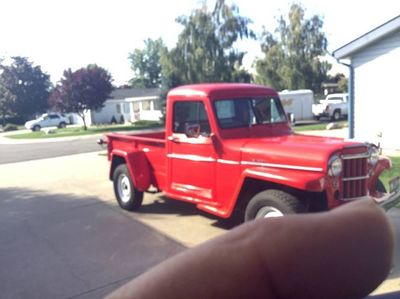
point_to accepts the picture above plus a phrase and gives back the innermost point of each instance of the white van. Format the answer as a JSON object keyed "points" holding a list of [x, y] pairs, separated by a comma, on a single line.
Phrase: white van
{"points": [[297, 104]]}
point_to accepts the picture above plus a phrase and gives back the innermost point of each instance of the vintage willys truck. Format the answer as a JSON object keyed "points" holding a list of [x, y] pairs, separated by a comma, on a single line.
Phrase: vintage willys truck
{"points": [[230, 147]]}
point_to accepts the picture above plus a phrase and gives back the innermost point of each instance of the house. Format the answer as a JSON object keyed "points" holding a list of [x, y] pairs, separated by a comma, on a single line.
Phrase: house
{"points": [[374, 63], [129, 105]]}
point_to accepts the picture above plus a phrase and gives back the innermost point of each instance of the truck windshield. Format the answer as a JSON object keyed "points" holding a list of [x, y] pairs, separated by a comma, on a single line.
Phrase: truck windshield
{"points": [[246, 112]]}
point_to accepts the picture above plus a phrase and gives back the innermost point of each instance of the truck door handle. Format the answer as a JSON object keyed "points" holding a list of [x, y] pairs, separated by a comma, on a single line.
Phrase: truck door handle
{"points": [[174, 139]]}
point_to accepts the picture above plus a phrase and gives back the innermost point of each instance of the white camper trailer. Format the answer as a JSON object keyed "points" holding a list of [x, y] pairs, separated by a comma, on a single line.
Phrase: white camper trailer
{"points": [[298, 104]]}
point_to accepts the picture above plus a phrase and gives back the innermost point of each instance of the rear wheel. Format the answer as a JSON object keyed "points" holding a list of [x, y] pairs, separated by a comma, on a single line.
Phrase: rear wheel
{"points": [[62, 125], [128, 197], [272, 203]]}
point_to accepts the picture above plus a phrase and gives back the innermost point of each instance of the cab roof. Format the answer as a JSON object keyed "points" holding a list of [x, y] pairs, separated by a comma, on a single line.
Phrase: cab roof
{"points": [[218, 90]]}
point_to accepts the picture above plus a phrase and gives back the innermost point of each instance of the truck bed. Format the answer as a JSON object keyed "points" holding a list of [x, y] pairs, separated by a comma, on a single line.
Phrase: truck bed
{"points": [[152, 144]]}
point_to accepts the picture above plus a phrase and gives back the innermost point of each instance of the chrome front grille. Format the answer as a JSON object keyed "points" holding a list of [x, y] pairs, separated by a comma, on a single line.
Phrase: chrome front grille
{"points": [[355, 175]]}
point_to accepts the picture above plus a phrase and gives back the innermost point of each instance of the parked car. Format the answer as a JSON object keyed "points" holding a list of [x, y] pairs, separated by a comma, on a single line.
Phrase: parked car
{"points": [[230, 147], [334, 107], [47, 120]]}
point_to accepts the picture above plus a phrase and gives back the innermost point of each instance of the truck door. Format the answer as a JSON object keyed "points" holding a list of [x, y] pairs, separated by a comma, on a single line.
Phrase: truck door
{"points": [[191, 153]]}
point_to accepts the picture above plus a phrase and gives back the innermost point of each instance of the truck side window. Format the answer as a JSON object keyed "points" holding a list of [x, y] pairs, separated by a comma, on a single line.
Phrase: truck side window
{"points": [[190, 113]]}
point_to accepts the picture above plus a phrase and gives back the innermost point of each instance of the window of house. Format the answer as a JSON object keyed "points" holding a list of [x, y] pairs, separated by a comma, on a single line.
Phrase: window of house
{"points": [[118, 108], [186, 113], [126, 108], [136, 107], [157, 104], [146, 105]]}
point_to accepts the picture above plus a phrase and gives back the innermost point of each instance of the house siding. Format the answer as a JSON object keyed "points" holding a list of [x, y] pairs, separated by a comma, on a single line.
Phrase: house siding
{"points": [[375, 91], [377, 49]]}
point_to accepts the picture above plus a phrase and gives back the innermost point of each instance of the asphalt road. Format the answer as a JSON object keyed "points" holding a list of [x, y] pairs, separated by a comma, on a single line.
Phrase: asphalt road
{"points": [[10, 153]]}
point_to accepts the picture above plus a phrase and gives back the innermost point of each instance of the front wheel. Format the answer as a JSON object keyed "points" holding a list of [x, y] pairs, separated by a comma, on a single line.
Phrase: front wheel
{"points": [[336, 115], [128, 197], [36, 128], [380, 187], [272, 203]]}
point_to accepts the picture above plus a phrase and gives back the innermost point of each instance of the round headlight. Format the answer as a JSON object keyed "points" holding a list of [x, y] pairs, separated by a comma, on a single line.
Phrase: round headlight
{"points": [[335, 166], [373, 155]]}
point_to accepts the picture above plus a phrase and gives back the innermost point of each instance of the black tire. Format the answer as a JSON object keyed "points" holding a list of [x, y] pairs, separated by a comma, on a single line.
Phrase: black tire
{"points": [[62, 125], [317, 117], [380, 187], [127, 196], [272, 201], [336, 115], [36, 128]]}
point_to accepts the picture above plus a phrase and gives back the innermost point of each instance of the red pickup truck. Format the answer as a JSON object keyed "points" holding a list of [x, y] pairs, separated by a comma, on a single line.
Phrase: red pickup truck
{"points": [[230, 147]]}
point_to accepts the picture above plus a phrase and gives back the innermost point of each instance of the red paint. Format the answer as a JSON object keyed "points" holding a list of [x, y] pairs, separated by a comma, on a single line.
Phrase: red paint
{"points": [[212, 171]]}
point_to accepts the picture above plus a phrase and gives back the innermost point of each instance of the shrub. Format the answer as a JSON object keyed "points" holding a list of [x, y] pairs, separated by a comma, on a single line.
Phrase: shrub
{"points": [[122, 119], [113, 120], [146, 123], [10, 127]]}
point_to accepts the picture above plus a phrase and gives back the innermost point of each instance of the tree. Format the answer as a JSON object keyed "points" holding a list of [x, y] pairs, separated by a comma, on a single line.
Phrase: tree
{"points": [[292, 57], [24, 89], [6, 100], [146, 64], [84, 89], [205, 49]]}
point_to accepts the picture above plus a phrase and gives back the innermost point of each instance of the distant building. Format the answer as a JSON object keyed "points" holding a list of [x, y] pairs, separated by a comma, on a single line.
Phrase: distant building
{"points": [[329, 88], [374, 75], [129, 105]]}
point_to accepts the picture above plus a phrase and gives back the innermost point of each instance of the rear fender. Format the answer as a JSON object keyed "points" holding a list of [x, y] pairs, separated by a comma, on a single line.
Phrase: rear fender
{"points": [[137, 165]]}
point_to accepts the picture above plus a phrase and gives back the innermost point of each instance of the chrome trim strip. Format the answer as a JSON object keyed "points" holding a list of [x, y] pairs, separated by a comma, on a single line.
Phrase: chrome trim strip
{"points": [[284, 166], [230, 162], [266, 175], [355, 156], [191, 158], [355, 178]]}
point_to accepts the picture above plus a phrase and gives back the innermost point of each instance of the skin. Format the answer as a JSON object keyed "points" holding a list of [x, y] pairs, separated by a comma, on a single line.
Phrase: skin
{"points": [[345, 253]]}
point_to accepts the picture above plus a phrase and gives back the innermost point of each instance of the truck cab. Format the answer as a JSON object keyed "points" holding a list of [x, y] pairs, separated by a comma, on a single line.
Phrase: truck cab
{"points": [[230, 147]]}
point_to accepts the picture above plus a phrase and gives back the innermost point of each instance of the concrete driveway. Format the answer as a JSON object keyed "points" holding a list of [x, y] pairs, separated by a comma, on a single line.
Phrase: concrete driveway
{"points": [[63, 236]]}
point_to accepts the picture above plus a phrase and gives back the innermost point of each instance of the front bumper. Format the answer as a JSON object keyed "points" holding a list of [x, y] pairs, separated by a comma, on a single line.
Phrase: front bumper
{"points": [[388, 201]]}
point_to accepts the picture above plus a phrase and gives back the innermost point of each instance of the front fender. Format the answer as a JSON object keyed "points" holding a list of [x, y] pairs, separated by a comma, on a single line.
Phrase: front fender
{"points": [[313, 181], [137, 165], [383, 164]]}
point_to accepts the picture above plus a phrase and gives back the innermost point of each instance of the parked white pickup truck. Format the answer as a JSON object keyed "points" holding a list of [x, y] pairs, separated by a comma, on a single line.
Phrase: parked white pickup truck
{"points": [[334, 107]]}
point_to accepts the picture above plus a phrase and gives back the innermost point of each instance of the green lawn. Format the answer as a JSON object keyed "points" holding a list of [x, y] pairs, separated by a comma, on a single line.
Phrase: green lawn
{"points": [[79, 131], [316, 127], [389, 174]]}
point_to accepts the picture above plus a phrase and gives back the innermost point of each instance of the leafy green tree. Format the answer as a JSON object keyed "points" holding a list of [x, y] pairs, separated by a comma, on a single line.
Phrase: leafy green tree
{"points": [[6, 100], [205, 49], [292, 57], [24, 89], [84, 89], [146, 64]]}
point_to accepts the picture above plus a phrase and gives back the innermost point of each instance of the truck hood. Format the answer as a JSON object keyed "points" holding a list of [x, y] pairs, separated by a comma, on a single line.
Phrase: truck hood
{"points": [[293, 151]]}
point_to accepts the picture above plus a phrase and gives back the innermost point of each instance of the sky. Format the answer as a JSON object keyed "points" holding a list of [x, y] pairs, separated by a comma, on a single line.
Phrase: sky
{"points": [[61, 34]]}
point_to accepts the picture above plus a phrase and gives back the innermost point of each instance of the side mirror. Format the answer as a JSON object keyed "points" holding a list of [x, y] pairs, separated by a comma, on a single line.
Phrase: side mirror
{"points": [[192, 130]]}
